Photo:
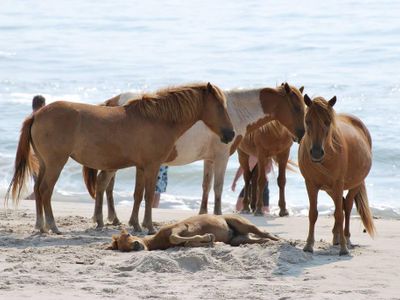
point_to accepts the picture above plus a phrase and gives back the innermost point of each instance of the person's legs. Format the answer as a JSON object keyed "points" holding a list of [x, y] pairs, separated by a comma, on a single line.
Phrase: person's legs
{"points": [[266, 198], [161, 185], [239, 202], [156, 200]]}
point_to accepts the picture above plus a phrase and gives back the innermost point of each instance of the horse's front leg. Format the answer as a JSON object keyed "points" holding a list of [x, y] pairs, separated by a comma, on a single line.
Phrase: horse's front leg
{"points": [[150, 177], [337, 196], [219, 175], [312, 192], [282, 163], [208, 173], [138, 196]]}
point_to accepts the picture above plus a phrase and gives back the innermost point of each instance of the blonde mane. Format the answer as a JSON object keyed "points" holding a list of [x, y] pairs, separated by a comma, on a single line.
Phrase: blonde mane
{"points": [[173, 104]]}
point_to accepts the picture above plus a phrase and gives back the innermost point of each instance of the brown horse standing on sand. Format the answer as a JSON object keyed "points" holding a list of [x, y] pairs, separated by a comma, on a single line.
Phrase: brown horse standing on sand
{"points": [[335, 155], [248, 110], [141, 133], [269, 141]]}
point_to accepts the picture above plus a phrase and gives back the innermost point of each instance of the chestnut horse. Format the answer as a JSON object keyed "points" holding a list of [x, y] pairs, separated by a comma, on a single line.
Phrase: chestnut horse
{"points": [[335, 155], [248, 109], [269, 141], [141, 133], [196, 231]]}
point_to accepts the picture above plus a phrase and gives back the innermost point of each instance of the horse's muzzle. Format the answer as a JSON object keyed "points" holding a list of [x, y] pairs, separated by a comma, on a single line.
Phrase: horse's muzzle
{"points": [[317, 154], [227, 135], [299, 135]]}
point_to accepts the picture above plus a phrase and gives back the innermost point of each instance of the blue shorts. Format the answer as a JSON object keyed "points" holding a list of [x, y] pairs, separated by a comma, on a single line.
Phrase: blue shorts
{"points": [[162, 180]]}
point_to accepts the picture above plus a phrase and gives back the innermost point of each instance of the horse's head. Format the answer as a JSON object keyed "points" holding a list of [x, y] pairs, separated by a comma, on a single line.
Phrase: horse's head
{"points": [[288, 108], [126, 242], [320, 119], [215, 115]]}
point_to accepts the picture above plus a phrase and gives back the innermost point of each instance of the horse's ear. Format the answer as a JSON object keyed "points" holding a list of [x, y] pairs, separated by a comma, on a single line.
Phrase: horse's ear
{"points": [[123, 231], [288, 90], [301, 89], [209, 87], [307, 100], [332, 101]]}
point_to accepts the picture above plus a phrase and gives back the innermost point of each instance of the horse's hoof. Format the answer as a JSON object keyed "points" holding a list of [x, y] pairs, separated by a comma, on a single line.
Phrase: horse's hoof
{"points": [[283, 213], [258, 213], [218, 212], [114, 222], [344, 252], [203, 211], [245, 212], [56, 231], [308, 248], [151, 231]]}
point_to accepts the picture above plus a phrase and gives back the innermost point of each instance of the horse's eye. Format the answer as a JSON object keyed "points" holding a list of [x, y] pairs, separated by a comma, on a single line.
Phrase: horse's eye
{"points": [[327, 123]]}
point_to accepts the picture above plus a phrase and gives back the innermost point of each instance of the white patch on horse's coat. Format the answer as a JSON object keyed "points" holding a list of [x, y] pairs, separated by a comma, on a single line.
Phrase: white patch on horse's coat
{"points": [[244, 108]]}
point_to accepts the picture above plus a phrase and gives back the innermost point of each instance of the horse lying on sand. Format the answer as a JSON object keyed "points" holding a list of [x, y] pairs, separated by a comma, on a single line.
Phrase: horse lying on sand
{"points": [[197, 231], [335, 155], [140, 133], [248, 110]]}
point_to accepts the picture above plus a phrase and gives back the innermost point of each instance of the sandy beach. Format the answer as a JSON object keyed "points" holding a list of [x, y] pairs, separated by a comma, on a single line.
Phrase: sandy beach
{"points": [[75, 264]]}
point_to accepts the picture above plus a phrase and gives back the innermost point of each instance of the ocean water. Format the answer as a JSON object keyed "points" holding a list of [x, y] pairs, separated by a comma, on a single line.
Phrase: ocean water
{"points": [[88, 51]]}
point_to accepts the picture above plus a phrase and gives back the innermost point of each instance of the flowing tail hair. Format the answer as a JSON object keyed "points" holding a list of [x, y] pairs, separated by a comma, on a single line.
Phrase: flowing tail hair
{"points": [[361, 200], [26, 164], [90, 179]]}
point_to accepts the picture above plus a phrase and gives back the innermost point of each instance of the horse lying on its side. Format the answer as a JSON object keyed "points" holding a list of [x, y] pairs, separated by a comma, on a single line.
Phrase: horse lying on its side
{"points": [[197, 231]]}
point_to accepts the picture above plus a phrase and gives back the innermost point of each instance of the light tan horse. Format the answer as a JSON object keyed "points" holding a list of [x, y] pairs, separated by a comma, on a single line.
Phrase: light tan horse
{"points": [[335, 155], [248, 109], [197, 231], [141, 133], [269, 141]]}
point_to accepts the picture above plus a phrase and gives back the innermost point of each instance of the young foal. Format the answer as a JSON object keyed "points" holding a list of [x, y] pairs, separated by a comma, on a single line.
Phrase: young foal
{"points": [[335, 155], [197, 231], [269, 141], [248, 109], [109, 138]]}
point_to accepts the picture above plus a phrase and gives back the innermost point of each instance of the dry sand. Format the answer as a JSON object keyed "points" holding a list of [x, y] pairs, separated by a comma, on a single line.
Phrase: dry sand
{"points": [[74, 265]]}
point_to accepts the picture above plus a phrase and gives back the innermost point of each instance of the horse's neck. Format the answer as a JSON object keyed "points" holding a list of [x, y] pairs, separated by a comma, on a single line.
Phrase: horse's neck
{"points": [[244, 108]]}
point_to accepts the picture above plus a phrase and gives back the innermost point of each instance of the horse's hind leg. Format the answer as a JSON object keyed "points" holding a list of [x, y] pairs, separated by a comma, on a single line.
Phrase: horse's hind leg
{"points": [[245, 239], [242, 226], [103, 180], [38, 199], [261, 180], [348, 206], [244, 163], [50, 177], [112, 215], [208, 173]]}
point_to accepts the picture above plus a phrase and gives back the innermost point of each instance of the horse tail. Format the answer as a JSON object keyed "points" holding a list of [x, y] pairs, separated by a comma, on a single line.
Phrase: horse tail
{"points": [[363, 209], [90, 179], [26, 164]]}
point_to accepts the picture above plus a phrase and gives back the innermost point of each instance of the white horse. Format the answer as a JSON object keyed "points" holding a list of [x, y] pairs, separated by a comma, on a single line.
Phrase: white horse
{"points": [[248, 110]]}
